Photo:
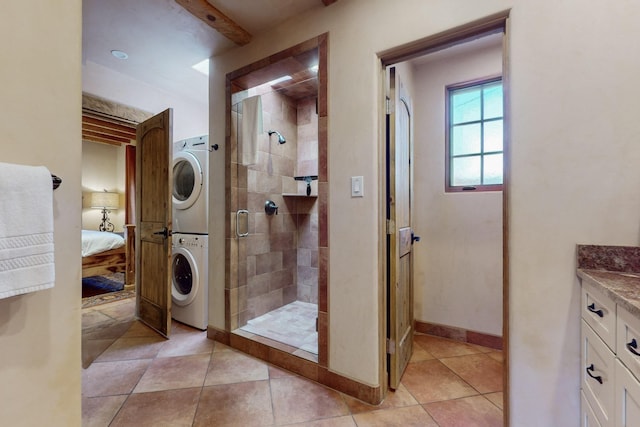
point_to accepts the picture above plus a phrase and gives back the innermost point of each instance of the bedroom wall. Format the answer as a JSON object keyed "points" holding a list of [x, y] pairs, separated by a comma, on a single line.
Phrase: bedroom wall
{"points": [[41, 111], [103, 168]]}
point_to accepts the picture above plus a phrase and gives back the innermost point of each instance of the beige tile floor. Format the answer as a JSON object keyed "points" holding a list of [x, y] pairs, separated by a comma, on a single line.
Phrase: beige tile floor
{"points": [[140, 379]]}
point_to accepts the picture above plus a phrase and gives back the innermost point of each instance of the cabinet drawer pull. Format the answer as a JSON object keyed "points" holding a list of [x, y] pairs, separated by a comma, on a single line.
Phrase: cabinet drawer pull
{"points": [[592, 308], [589, 370], [632, 347]]}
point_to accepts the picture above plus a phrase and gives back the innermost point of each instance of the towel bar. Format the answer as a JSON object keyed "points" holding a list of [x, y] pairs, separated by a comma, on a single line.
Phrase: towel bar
{"points": [[56, 181]]}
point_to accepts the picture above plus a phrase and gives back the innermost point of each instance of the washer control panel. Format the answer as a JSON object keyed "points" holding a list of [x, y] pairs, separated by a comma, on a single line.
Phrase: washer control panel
{"points": [[189, 241]]}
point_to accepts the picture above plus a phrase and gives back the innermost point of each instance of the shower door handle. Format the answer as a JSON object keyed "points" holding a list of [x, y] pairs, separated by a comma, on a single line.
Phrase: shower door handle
{"points": [[238, 213]]}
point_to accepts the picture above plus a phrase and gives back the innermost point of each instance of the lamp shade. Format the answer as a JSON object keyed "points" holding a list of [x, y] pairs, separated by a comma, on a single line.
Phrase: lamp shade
{"points": [[104, 200]]}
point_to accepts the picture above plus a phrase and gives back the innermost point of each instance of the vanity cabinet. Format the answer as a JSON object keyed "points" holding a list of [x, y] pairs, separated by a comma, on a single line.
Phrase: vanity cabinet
{"points": [[610, 361], [588, 417]]}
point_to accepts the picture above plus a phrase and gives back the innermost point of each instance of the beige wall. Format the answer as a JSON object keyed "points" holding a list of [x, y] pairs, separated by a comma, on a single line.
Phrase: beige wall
{"points": [[458, 263], [574, 170], [190, 116], [575, 179], [103, 168], [40, 125], [354, 150]]}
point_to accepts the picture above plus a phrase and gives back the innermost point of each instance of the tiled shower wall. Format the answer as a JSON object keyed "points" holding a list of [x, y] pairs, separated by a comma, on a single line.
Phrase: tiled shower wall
{"points": [[307, 164], [280, 255]]}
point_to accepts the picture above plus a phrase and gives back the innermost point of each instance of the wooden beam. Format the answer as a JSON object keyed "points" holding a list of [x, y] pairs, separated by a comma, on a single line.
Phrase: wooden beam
{"points": [[107, 127], [112, 111], [107, 131], [328, 2], [203, 10], [93, 138]]}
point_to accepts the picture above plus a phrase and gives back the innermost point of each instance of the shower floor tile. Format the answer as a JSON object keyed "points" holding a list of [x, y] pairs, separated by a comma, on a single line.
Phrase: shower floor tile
{"points": [[293, 324]]}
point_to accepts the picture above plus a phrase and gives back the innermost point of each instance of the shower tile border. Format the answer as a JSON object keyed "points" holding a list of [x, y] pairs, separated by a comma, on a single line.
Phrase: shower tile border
{"points": [[298, 365]]}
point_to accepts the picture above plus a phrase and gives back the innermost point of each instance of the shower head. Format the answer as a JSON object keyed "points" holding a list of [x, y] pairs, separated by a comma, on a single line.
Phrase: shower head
{"points": [[281, 139]]}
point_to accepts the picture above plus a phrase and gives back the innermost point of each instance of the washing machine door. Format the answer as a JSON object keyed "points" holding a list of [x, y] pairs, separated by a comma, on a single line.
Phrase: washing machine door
{"points": [[187, 180], [184, 277]]}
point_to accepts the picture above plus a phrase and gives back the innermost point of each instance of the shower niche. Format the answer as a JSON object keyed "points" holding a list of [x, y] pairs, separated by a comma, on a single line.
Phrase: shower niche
{"points": [[277, 201]]}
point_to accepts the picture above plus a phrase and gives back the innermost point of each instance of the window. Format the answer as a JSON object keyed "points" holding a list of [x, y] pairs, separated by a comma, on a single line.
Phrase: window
{"points": [[474, 136]]}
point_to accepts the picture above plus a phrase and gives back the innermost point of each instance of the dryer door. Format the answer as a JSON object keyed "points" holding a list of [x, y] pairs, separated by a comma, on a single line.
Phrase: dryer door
{"points": [[184, 277], [187, 180]]}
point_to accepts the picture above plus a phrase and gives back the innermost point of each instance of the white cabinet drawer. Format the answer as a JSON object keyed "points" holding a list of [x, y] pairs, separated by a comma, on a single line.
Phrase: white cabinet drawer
{"points": [[599, 311], [628, 341], [627, 398], [598, 376], [587, 416]]}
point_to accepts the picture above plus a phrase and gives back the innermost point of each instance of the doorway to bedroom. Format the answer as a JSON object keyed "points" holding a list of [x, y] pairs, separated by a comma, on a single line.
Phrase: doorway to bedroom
{"points": [[108, 215], [108, 201]]}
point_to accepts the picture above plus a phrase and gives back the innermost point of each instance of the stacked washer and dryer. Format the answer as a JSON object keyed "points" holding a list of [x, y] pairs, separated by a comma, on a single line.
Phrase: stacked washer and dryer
{"points": [[189, 253]]}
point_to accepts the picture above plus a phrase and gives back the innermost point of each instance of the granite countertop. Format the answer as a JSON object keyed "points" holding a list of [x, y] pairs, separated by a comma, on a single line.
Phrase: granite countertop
{"points": [[615, 270]]}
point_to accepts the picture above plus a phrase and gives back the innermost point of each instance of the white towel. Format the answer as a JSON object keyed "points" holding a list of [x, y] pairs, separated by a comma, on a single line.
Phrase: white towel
{"points": [[251, 129], [26, 229]]}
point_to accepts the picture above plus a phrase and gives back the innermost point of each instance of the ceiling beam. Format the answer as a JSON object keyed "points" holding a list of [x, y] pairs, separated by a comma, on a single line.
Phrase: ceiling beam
{"points": [[203, 10], [328, 2]]}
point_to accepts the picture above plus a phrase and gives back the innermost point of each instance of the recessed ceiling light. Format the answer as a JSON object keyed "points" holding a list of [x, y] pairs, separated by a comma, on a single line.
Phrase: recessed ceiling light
{"points": [[279, 80], [119, 54], [202, 66]]}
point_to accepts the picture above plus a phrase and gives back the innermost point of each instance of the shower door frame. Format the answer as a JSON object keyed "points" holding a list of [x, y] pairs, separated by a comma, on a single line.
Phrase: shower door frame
{"points": [[236, 199]]}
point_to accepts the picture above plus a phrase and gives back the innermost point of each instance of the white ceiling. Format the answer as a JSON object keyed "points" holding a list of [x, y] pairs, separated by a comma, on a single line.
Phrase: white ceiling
{"points": [[163, 40]]}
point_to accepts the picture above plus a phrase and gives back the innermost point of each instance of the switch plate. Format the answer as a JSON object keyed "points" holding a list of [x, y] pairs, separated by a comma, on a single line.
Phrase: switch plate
{"points": [[357, 186]]}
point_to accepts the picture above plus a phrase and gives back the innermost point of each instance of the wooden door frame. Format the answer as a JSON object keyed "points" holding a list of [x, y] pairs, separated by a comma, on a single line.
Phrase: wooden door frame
{"points": [[496, 23]]}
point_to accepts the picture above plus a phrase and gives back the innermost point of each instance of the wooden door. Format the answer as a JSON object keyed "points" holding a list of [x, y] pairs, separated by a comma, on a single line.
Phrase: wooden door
{"points": [[153, 221], [399, 232]]}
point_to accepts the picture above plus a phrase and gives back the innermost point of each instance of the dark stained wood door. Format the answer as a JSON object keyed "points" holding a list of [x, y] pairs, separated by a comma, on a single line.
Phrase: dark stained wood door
{"points": [[399, 232], [153, 221]]}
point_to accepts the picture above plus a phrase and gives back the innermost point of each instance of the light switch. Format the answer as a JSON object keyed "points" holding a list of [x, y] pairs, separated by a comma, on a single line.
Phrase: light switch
{"points": [[357, 186]]}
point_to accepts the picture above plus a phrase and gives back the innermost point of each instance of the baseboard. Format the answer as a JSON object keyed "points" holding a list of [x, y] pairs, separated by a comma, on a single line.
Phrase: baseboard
{"points": [[459, 334], [298, 365], [219, 335]]}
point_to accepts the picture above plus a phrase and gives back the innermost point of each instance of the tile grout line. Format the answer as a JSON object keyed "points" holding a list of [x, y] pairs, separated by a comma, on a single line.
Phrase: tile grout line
{"points": [[204, 381], [273, 409], [137, 382]]}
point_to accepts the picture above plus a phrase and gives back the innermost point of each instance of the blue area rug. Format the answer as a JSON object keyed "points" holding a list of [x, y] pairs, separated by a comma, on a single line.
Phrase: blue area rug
{"points": [[96, 285]]}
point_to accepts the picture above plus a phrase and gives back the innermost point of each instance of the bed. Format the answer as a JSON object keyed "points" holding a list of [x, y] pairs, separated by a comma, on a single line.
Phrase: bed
{"points": [[104, 253]]}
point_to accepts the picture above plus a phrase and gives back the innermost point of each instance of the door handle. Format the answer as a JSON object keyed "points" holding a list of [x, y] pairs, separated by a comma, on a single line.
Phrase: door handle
{"points": [[238, 213], [164, 232], [414, 238]]}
